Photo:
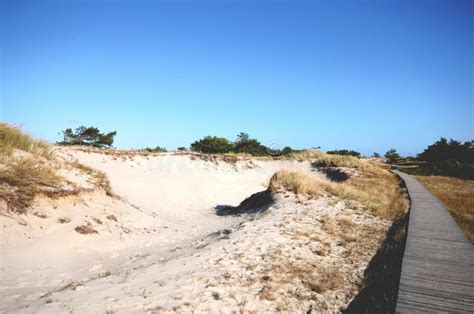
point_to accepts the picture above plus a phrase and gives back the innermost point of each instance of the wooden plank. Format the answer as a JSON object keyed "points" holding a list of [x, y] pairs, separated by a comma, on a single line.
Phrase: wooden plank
{"points": [[438, 264]]}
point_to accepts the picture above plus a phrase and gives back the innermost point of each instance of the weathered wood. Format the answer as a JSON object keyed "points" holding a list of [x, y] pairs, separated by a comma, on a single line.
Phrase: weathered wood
{"points": [[438, 264]]}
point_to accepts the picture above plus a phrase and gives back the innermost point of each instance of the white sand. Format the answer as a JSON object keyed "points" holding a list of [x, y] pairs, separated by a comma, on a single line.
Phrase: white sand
{"points": [[157, 251]]}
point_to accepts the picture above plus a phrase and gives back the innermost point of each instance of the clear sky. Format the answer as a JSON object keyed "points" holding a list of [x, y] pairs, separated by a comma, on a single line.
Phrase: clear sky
{"points": [[363, 75]]}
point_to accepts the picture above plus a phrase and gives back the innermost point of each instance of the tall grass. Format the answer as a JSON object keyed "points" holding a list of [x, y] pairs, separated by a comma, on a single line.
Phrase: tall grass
{"points": [[12, 138]]}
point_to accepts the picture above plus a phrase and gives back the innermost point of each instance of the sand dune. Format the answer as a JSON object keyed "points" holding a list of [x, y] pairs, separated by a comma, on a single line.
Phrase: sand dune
{"points": [[158, 245]]}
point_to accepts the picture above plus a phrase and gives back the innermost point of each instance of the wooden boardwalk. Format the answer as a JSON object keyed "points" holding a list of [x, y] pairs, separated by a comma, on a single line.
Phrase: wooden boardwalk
{"points": [[438, 265]]}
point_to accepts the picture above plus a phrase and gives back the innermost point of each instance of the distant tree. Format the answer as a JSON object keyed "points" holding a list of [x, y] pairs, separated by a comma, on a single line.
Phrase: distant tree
{"points": [[449, 158], [376, 155], [182, 148], [392, 156], [88, 136], [212, 144], [157, 149], [344, 152], [245, 144], [444, 150]]}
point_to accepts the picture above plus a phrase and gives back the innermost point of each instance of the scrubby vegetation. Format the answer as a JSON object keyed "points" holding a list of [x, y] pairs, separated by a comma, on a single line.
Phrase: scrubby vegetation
{"points": [[87, 136], [344, 152], [27, 168], [392, 156], [157, 149], [458, 196], [375, 187], [448, 158], [242, 145], [212, 144], [443, 158], [22, 179]]}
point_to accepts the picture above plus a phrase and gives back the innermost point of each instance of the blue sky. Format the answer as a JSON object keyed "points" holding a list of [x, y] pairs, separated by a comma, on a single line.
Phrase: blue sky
{"points": [[363, 75]]}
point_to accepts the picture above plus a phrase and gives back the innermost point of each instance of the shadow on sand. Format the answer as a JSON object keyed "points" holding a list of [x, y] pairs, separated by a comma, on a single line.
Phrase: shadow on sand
{"points": [[256, 203]]}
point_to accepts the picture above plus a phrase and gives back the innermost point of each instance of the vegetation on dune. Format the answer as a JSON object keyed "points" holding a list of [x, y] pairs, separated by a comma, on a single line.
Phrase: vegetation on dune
{"points": [[157, 149], [458, 196], [376, 188], [242, 145], [12, 138], [245, 144], [448, 158], [87, 136], [213, 145], [24, 176], [22, 179], [344, 152], [392, 156], [443, 158]]}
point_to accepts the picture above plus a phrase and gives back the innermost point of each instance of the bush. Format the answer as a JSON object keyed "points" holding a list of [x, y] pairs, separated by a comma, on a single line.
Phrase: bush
{"points": [[344, 152], [392, 156], [447, 158], [89, 136], [442, 151], [245, 144], [182, 148], [157, 149], [213, 145]]}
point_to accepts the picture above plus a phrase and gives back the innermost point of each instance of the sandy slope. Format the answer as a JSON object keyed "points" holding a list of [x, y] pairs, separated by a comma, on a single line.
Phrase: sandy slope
{"points": [[159, 246]]}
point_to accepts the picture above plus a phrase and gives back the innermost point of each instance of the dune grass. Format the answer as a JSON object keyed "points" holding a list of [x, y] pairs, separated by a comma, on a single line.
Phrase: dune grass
{"points": [[12, 138], [458, 196], [22, 179], [381, 194]]}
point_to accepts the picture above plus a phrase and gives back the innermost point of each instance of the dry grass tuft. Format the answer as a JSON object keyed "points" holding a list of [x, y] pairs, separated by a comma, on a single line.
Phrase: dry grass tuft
{"points": [[21, 180], [458, 196], [12, 138]]}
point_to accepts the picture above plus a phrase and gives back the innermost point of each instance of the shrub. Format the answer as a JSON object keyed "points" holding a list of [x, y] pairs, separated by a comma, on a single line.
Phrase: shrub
{"points": [[89, 136], [157, 149], [182, 148], [453, 150], [344, 152], [392, 156], [245, 144], [449, 158], [212, 144]]}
